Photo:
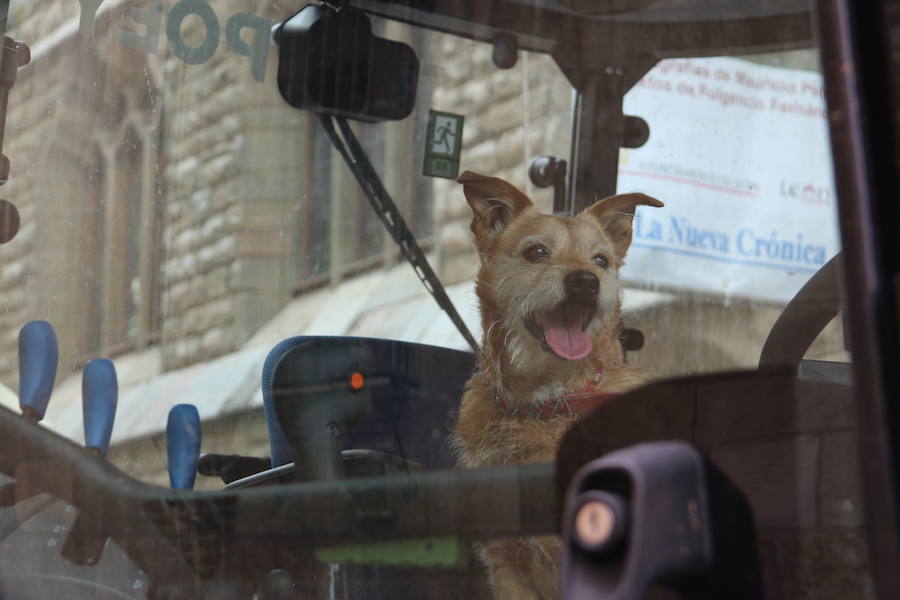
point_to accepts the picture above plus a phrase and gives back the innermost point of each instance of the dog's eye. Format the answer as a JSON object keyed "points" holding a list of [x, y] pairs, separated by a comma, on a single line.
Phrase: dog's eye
{"points": [[600, 261], [536, 253]]}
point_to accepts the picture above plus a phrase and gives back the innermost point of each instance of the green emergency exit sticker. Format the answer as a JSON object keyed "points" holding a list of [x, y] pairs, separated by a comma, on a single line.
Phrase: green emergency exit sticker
{"points": [[443, 145]]}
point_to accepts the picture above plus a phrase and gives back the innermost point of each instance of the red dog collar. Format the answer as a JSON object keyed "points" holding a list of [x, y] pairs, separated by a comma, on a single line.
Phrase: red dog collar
{"points": [[568, 405]]}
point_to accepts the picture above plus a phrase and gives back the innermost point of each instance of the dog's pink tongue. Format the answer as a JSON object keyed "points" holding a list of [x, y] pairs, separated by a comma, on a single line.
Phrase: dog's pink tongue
{"points": [[563, 334]]}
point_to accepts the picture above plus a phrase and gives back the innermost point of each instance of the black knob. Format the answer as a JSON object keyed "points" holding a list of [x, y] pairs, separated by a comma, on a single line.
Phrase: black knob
{"points": [[506, 51], [9, 221], [546, 171]]}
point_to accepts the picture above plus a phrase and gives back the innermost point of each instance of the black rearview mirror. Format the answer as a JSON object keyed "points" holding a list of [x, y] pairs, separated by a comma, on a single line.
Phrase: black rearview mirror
{"points": [[330, 62]]}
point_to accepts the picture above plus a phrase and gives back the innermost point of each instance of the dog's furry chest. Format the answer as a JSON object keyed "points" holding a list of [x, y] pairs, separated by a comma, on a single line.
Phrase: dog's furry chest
{"points": [[488, 437]]}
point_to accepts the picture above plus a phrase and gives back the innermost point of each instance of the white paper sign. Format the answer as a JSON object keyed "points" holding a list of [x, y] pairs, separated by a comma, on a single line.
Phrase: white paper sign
{"points": [[739, 153]]}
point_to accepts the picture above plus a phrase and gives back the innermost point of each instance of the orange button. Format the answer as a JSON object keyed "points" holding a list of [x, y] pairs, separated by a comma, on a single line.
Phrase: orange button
{"points": [[356, 381]]}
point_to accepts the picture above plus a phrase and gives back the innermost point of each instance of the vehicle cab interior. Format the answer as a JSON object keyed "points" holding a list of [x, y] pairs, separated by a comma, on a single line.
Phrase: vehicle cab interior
{"points": [[242, 297]]}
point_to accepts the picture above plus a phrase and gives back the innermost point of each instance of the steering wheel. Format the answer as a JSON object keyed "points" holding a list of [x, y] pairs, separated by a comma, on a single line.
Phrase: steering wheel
{"points": [[804, 317]]}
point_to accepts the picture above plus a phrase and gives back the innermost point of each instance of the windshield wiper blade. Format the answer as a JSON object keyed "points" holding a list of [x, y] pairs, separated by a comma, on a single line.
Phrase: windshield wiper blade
{"points": [[384, 206]]}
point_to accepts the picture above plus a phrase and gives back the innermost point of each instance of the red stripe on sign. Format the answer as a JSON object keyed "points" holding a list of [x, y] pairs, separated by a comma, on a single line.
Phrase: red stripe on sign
{"points": [[693, 182]]}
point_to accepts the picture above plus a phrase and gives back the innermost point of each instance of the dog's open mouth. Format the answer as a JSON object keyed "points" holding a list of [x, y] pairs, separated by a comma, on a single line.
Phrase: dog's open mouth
{"points": [[563, 330]]}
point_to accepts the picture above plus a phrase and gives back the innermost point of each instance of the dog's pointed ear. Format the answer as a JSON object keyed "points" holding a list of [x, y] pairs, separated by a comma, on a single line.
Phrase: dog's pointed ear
{"points": [[494, 203], [616, 215]]}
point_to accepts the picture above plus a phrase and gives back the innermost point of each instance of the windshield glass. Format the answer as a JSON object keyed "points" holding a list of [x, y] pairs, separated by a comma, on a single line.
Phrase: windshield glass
{"points": [[184, 208]]}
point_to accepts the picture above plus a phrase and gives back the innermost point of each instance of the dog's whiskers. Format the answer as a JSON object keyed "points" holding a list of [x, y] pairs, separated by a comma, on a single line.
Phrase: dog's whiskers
{"points": [[490, 328]]}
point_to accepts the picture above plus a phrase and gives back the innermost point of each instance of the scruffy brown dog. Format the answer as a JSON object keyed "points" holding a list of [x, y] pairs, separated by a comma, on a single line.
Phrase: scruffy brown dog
{"points": [[550, 311]]}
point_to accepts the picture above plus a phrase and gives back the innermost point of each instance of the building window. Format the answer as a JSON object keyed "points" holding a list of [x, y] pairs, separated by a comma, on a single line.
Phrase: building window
{"points": [[335, 209], [315, 233], [95, 200], [125, 254], [124, 279]]}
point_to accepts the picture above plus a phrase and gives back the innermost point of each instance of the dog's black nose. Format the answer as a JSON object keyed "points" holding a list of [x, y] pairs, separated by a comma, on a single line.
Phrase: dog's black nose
{"points": [[582, 286]]}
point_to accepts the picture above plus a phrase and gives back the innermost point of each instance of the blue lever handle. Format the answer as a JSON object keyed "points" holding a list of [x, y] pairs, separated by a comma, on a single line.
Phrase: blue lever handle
{"points": [[183, 445], [38, 357], [100, 395]]}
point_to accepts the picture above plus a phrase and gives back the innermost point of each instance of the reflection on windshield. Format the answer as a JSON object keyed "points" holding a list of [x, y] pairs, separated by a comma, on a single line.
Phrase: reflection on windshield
{"points": [[181, 219]]}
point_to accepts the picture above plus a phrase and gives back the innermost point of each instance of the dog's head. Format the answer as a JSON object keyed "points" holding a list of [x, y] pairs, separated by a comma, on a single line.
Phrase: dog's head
{"points": [[550, 282]]}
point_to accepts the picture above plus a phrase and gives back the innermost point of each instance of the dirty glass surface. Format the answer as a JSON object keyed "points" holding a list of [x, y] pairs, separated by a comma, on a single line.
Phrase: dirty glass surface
{"points": [[181, 219]]}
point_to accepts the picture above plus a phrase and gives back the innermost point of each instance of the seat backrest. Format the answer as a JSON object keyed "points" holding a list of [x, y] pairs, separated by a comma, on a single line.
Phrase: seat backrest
{"points": [[405, 406], [278, 444]]}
